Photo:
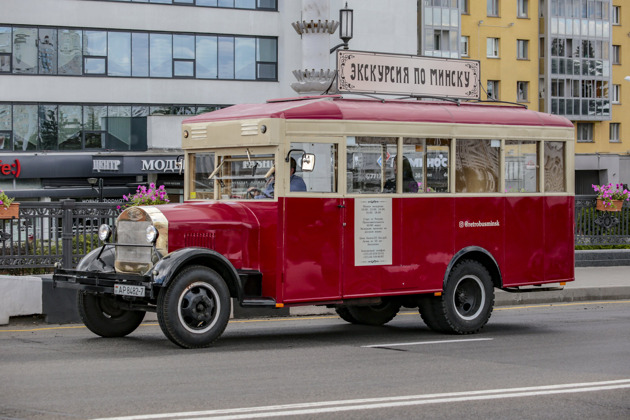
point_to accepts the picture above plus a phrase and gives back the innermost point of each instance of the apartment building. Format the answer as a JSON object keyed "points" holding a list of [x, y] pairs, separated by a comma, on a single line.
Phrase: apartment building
{"points": [[565, 57]]}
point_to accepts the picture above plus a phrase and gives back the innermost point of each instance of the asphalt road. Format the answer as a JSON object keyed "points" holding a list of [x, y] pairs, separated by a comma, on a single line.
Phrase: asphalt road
{"points": [[564, 361]]}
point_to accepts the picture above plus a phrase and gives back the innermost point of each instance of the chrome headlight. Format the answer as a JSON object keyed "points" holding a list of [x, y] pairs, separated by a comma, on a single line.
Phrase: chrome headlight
{"points": [[104, 232], [152, 234]]}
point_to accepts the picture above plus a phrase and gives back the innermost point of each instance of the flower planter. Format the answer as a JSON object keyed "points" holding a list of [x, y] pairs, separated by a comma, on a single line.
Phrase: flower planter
{"points": [[616, 205], [13, 212]]}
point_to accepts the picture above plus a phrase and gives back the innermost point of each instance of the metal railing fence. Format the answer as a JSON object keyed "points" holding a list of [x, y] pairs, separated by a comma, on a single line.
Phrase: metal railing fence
{"points": [[65, 231], [599, 228], [49, 233]]}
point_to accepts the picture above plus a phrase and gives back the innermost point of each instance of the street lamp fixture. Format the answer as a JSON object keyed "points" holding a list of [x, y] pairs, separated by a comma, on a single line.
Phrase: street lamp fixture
{"points": [[346, 27], [97, 185], [627, 78]]}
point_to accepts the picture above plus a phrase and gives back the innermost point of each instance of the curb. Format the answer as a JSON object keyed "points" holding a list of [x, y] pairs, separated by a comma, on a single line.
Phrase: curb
{"points": [[30, 295]]}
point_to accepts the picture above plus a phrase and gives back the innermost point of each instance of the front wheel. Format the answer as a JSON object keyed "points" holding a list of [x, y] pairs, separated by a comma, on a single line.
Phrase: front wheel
{"points": [[104, 316], [466, 304], [194, 309]]}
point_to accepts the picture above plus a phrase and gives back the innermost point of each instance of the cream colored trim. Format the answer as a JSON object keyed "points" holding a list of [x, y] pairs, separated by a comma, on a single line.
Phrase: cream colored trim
{"points": [[541, 166], [438, 130], [206, 135], [451, 167], [502, 166], [570, 166], [220, 137]]}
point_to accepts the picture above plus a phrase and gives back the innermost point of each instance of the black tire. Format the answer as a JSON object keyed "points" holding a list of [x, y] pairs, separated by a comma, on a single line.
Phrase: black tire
{"points": [[374, 315], [430, 308], [103, 315], [466, 304], [344, 313], [194, 309]]}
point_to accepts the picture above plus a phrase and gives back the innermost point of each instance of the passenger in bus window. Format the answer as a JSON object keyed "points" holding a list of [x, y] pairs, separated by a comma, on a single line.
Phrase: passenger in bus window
{"points": [[410, 185], [296, 184]]}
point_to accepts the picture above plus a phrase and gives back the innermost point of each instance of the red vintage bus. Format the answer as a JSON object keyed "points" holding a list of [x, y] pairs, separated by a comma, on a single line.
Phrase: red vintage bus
{"points": [[362, 205]]}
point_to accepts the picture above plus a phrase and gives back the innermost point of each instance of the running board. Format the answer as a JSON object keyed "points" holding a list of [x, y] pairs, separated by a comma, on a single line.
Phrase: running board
{"points": [[531, 289], [266, 302]]}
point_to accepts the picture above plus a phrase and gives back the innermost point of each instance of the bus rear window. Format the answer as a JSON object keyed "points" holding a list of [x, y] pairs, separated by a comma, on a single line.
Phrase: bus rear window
{"points": [[554, 167], [477, 166]]}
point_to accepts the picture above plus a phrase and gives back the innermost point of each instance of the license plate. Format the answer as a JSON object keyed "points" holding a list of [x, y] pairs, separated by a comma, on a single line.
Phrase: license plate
{"points": [[127, 290]]}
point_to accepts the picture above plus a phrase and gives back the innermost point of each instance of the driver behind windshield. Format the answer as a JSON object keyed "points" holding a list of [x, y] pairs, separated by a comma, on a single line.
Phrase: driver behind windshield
{"points": [[296, 184]]}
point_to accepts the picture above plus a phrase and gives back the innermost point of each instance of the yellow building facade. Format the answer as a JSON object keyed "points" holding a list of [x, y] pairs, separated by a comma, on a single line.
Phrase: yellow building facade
{"points": [[566, 57]]}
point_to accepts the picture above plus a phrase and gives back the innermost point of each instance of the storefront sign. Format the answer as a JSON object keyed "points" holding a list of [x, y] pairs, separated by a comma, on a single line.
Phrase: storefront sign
{"points": [[365, 72], [10, 169], [105, 165], [159, 165]]}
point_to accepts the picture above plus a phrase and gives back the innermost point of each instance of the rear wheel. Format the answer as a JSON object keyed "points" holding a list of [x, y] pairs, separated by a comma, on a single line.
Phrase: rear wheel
{"points": [[194, 309], [344, 313], [104, 316], [466, 304], [375, 314]]}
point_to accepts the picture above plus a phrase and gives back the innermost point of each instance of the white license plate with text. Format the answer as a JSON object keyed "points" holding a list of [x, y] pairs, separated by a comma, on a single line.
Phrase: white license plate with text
{"points": [[127, 290]]}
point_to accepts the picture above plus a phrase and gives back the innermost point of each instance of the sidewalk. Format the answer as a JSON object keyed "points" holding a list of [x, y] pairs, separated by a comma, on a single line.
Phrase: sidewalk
{"points": [[21, 296]]}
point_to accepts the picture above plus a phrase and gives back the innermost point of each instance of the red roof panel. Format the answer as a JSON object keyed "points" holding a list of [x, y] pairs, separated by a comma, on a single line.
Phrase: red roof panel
{"points": [[338, 108]]}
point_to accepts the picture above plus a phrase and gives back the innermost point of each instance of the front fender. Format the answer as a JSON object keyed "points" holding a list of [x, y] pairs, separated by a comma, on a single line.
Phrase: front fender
{"points": [[168, 267], [100, 259]]}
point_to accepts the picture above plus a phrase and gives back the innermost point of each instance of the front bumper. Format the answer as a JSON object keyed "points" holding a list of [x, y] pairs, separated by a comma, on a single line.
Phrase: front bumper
{"points": [[99, 282]]}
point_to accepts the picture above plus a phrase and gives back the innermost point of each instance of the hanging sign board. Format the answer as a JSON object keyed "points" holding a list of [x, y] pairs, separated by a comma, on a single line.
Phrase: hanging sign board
{"points": [[366, 72]]}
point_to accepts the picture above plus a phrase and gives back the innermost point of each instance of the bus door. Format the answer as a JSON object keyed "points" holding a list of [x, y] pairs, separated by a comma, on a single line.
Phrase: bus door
{"points": [[312, 223]]}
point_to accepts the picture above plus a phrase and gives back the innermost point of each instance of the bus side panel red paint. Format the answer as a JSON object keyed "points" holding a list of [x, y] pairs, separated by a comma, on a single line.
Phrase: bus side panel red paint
{"points": [[559, 238], [427, 236], [524, 239], [311, 246], [480, 222]]}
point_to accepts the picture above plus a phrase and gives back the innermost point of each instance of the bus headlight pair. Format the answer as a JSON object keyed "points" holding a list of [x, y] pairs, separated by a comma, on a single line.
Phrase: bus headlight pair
{"points": [[105, 233]]}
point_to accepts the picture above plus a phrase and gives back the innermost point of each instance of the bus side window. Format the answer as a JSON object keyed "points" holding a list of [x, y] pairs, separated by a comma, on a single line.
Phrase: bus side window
{"points": [[521, 166], [438, 162], [413, 165], [555, 167], [370, 164], [323, 178], [477, 166], [201, 165]]}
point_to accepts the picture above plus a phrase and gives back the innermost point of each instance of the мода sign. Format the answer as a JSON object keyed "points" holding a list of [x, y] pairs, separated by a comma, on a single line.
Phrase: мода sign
{"points": [[366, 72]]}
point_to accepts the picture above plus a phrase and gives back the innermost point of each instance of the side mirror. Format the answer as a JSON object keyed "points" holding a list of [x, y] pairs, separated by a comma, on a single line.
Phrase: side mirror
{"points": [[308, 162]]}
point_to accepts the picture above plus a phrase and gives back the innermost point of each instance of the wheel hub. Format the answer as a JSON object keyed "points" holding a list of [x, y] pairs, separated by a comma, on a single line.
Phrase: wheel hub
{"points": [[469, 297], [197, 308]]}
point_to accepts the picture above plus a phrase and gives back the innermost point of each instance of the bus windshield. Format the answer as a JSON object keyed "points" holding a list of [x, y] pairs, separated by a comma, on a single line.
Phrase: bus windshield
{"points": [[245, 176]]}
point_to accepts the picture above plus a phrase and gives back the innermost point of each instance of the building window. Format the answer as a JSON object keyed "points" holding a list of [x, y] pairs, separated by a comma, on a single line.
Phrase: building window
{"points": [[77, 127], [464, 43], [522, 46], [522, 91], [229, 4], [614, 132], [492, 47], [493, 90], [522, 8], [616, 15], [51, 51], [616, 94], [464, 6], [585, 132], [493, 7], [616, 58]]}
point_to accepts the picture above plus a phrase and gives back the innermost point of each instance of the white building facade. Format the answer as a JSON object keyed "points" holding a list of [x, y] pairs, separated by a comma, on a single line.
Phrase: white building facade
{"points": [[98, 88]]}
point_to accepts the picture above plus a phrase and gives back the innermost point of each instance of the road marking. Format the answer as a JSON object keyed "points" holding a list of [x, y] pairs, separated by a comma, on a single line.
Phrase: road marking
{"points": [[308, 318], [417, 343], [384, 402]]}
